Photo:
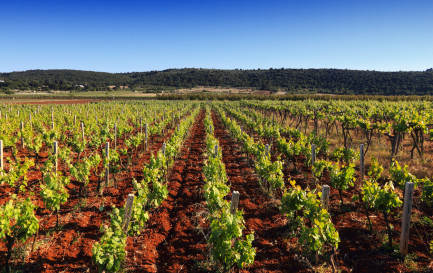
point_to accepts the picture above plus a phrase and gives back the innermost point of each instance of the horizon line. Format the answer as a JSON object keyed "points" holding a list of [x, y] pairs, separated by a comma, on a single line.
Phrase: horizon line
{"points": [[201, 68]]}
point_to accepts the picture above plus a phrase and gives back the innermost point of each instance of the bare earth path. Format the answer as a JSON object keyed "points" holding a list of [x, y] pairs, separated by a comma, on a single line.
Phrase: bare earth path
{"points": [[260, 213], [171, 242]]}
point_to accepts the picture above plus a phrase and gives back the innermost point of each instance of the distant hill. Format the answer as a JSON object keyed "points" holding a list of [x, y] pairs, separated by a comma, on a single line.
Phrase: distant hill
{"points": [[335, 81]]}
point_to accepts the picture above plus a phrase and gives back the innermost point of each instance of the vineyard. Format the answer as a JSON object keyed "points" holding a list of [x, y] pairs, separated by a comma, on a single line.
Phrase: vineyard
{"points": [[240, 186]]}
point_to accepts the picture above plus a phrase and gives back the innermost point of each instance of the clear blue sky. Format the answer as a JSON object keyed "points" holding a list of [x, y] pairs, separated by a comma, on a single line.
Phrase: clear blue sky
{"points": [[124, 36]]}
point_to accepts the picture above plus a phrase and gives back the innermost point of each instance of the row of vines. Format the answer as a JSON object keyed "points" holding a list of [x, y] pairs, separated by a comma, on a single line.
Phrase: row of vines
{"points": [[99, 172]]}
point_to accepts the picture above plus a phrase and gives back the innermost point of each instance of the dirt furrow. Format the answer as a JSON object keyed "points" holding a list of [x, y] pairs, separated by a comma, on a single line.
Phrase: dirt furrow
{"points": [[171, 242], [260, 211], [69, 247]]}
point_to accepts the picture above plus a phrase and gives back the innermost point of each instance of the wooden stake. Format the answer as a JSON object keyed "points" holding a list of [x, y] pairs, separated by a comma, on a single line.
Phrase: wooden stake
{"points": [[115, 136], [235, 202], [146, 134], [1, 155], [107, 168], [325, 196], [82, 130], [313, 154], [141, 125], [55, 148], [405, 223], [216, 150], [128, 211], [172, 118], [361, 157], [22, 138], [267, 150], [163, 148], [52, 125], [163, 127]]}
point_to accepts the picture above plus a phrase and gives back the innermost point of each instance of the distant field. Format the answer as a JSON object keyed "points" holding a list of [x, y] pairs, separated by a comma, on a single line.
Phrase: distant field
{"points": [[199, 93], [46, 101], [128, 93], [86, 94]]}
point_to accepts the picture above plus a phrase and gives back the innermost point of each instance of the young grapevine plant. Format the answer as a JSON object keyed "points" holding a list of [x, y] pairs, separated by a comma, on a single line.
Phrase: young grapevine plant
{"points": [[401, 175], [227, 247], [82, 170], [17, 175], [342, 178], [381, 198], [17, 223], [54, 192], [427, 192], [309, 220], [271, 173], [109, 253]]}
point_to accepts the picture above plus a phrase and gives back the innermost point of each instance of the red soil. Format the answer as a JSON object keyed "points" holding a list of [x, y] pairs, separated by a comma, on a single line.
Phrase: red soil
{"points": [[68, 249], [260, 213], [175, 239], [171, 241], [359, 249]]}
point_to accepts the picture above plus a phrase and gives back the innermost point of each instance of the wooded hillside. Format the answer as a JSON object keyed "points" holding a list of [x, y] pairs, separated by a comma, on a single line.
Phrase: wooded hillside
{"points": [[336, 81]]}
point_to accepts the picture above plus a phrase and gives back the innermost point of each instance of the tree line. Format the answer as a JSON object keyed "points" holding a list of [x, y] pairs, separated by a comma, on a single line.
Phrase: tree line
{"points": [[295, 81]]}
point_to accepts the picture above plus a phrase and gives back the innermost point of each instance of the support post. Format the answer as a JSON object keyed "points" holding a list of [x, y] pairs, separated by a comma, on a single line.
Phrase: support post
{"points": [[235, 202], [141, 125], [163, 148], [313, 154], [128, 211], [146, 134], [82, 130], [107, 168], [22, 138], [163, 126], [267, 150], [1, 155], [325, 196], [361, 158], [172, 118], [55, 150], [405, 223], [115, 136]]}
